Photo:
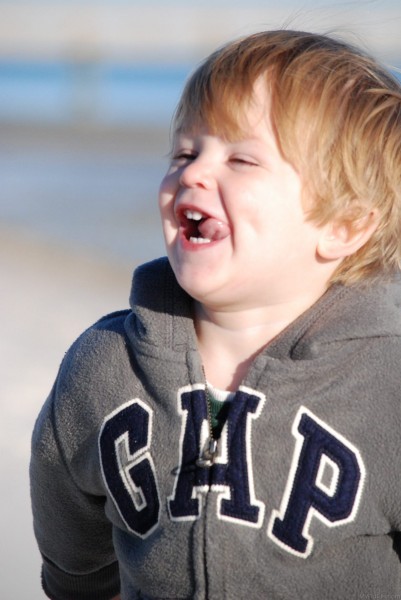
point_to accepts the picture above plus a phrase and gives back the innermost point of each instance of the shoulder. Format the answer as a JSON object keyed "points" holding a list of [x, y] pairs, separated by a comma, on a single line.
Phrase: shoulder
{"points": [[94, 374], [99, 341], [108, 332], [96, 354]]}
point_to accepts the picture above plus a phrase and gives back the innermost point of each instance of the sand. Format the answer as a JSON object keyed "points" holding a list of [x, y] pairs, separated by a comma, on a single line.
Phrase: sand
{"points": [[48, 296], [52, 288]]}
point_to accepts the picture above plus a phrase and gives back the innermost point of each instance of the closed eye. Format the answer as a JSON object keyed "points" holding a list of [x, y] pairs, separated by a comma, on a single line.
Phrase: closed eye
{"points": [[184, 156], [245, 161]]}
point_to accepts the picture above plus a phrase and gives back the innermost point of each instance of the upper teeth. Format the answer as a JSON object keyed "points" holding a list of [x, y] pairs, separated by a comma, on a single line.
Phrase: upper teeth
{"points": [[194, 215]]}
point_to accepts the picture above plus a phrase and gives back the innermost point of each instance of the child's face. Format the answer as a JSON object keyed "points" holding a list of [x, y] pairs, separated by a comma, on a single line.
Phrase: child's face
{"points": [[234, 226]]}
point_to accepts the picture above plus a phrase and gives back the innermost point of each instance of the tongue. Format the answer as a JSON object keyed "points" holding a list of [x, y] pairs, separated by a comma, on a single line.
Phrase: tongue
{"points": [[213, 229]]}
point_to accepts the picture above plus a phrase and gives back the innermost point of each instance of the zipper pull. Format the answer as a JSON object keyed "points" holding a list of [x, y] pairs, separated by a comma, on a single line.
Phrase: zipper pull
{"points": [[209, 454]]}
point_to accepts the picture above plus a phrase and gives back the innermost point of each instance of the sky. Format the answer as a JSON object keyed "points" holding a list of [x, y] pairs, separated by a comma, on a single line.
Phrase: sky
{"points": [[180, 28], [228, 3]]}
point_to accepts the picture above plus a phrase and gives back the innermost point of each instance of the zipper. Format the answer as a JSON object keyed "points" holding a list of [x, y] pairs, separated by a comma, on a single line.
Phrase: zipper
{"points": [[209, 453]]}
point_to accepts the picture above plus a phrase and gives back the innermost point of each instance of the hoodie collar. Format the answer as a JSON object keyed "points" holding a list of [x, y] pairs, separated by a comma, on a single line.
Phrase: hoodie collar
{"points": [[162, 315]]}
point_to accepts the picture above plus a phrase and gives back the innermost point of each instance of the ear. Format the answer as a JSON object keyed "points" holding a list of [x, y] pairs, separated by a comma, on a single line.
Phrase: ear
{"points": [[340, 239]]}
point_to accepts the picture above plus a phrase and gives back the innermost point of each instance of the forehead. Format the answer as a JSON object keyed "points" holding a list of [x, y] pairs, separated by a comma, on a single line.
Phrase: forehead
{"points": [[225, 112]]}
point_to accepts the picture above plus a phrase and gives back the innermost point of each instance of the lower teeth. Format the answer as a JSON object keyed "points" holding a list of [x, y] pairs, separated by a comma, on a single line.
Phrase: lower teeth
{"points": [[199, 240]]}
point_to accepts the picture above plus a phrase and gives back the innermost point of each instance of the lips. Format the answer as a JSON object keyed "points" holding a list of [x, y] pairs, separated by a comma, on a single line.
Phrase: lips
{"points": [[200, 228]]}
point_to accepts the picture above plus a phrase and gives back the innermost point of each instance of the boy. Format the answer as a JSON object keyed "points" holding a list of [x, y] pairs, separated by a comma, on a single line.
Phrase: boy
{"points": [[236, 434]]}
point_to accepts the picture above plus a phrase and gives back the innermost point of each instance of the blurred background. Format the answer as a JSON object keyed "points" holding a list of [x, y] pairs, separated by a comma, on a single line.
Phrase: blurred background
{"points": [[87, 90]]}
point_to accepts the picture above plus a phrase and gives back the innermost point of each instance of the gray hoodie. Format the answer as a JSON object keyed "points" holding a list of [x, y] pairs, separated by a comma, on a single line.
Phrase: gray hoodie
{"points": [[304, 498]]}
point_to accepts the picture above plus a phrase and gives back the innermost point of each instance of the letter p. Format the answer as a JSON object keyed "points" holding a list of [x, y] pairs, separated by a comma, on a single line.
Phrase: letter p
{"points": [[325, 481]]}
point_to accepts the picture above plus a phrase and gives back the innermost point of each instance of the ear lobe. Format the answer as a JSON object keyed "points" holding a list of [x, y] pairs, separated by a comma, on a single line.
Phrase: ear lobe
{"points": [[342, 238]]}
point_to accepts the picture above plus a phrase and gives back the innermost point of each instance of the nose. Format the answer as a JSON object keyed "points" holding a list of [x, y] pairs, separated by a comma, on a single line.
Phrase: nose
{"points": [[197, 173]]}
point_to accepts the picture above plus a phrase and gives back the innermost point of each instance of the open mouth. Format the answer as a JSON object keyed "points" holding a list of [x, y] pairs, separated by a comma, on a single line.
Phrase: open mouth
{"points": [[200, 228]]}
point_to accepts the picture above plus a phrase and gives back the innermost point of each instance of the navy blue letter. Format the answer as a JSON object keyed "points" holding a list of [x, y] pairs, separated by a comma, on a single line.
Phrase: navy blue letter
{"points": [[325, 481], [127, 466], [231, 474], [193, 408]]}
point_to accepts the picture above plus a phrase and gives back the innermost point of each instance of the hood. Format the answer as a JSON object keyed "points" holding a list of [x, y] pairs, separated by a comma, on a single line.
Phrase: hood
{"points": [[370, 309], [161, 311], [162, 315]]}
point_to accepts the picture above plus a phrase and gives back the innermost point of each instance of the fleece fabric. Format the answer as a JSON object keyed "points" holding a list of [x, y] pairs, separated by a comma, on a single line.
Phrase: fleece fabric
{"points": [[304, 497]]}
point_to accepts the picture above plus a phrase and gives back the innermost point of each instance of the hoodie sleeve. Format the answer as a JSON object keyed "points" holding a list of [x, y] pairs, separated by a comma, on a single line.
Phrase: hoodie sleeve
{"points": [[68, 497], [71, 529]]}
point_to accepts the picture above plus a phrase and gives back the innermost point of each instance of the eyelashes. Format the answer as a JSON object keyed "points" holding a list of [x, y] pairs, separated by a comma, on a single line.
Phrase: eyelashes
{"points": [[185, 157]]}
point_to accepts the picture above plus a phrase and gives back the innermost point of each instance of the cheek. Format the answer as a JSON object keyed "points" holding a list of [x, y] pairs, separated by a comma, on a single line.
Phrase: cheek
{"points": [[248, 203], [167, 215], [166, 196], [164, 189], [170, 182]]}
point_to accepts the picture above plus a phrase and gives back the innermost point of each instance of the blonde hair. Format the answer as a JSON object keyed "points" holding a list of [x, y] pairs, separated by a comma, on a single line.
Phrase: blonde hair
{"points": [[337, 117]]}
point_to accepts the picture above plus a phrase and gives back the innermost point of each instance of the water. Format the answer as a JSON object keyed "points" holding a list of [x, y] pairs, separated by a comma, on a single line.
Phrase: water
{"points": [[105, 92], [90, 194], [101, 92]]}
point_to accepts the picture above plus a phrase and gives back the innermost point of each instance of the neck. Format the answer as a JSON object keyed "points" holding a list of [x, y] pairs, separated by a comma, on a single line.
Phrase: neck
{"points": [[229, 341]]}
